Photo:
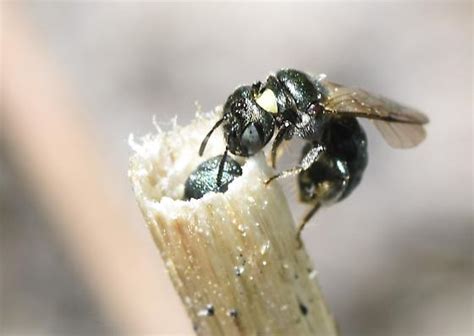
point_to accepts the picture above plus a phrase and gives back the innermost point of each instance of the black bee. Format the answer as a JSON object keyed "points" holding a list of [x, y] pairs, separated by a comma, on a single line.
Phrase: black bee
{"points": [[202, 180], [322, 113]]}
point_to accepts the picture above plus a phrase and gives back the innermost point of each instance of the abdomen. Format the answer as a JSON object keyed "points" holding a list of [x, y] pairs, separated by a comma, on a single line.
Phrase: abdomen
{"points": [[335, 175]]}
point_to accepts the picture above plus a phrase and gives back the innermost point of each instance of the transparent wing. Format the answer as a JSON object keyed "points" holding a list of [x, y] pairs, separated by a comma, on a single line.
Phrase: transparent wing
{"points": [[401, 126]]}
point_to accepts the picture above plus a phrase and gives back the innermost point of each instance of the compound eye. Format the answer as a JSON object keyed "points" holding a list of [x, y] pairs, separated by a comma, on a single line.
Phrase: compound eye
{"points": [[251, 139]]}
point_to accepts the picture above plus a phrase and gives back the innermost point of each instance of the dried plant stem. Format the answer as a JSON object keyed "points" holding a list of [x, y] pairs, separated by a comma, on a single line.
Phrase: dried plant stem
{"points": [[233, 257]]}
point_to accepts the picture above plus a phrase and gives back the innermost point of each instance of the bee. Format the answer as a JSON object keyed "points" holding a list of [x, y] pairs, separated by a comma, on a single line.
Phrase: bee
{"points": [[324, 114], [202, 180]]}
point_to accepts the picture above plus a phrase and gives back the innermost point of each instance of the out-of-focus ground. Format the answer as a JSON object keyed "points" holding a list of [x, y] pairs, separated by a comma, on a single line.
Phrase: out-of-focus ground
{"points": [[394, 259]]}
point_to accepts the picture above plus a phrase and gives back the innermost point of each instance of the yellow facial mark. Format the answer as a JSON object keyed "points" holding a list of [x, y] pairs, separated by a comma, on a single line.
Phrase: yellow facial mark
{"points": [[268, 101]]}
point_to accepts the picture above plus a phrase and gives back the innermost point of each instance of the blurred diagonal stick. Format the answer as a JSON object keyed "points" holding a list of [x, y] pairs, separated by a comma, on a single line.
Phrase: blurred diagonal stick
{"points": [[61, 163], [233, 257]]}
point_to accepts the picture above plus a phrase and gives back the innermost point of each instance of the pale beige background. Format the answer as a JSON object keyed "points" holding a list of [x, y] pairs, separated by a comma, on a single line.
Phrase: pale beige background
{"points": [[394, 259]]}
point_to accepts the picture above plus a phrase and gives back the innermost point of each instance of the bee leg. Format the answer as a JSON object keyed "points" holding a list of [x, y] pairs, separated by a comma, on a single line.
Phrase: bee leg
{"points": [[285, 173], [283, 133], [221, 167], [304, 221], [312, 156]]}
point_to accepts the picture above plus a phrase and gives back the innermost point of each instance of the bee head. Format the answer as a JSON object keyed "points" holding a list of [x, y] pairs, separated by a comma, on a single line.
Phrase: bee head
{"points": [[248, 127]]}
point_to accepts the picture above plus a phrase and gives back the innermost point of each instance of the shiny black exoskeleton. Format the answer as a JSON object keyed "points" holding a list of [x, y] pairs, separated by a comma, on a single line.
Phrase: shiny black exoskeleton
{"points": [[202, 180], [340, 167], [322, 113]]}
